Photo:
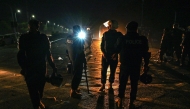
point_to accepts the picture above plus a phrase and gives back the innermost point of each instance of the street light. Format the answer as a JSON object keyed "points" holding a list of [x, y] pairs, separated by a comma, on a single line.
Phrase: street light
{"points": [[48, 21], [33, 16], [16, 24], [18, 11]]}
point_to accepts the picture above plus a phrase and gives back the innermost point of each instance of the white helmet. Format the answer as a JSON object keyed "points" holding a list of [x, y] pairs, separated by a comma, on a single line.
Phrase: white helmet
{"points": [[113, 24]]}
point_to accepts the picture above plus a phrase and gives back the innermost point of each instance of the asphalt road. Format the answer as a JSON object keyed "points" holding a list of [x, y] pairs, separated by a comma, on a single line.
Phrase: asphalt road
{"points": [[170, 88]]}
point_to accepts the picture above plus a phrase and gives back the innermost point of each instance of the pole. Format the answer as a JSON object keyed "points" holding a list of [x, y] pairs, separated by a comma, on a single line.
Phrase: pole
{"points": [[86, 78], [142, 13], [175, 17]]}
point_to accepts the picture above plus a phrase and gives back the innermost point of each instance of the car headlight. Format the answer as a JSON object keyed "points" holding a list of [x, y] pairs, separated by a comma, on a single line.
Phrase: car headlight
{"points": [[82, 35]]}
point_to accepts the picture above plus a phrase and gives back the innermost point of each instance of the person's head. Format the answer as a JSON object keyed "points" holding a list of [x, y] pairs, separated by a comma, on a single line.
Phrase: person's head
{"points": [[33, 25], [76, 29], [112, 24], [175, 25], [132, 26]]}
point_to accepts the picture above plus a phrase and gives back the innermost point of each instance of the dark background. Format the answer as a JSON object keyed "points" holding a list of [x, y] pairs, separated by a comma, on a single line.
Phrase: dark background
{"points": [[157, 14]]}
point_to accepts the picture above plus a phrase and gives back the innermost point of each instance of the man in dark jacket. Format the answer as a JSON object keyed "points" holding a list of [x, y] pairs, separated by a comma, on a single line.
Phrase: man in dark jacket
{"points": [[186, 47], [75, 47], [166, 45], [177, 39], [132, 49], [109, 55], [34, 49]]}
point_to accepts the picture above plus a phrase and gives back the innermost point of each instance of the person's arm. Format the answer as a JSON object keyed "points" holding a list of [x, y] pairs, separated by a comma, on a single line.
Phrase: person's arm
{"points": [[49, 55], [146, 55], [21, 57], [118, 45], [102, 45]]}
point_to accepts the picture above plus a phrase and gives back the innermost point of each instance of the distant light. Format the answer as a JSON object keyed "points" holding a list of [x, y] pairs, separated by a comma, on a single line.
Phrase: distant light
{"points": [[53, 23], [18, 11], [48, 21], [57, 25], [87, 28], [81, 35], [33, 16]]}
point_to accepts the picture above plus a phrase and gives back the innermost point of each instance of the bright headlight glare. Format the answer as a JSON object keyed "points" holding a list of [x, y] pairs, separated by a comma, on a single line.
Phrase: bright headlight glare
{"points": [[81, 35]]}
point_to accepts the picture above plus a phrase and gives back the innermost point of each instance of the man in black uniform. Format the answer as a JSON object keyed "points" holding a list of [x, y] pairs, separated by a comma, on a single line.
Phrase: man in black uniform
{"points": [[186, 47], [109, 55], [34, 49], [75, 47], [177, 39], [132, 48]]}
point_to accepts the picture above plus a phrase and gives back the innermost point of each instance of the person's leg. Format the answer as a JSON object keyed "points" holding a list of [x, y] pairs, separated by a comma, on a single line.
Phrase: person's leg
{"points": [[134, 77], [113, 66], [123, 78], [77, 76], [183, 56], [123, 81], [178, 53], [76, 81], [161, 54], [34, 94], [105, 65]]}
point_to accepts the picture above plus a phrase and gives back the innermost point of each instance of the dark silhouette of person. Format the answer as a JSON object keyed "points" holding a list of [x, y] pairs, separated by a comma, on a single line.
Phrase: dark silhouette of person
{"points": [[34, 50], [109, 55]]}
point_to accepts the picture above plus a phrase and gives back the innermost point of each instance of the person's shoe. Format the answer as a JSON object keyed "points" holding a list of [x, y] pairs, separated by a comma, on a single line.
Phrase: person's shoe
{"points": [[78, 90], [37, 107], [110, 88], [102, 88], [42, 106], [131, 106], [119, 103], [75, 94]]}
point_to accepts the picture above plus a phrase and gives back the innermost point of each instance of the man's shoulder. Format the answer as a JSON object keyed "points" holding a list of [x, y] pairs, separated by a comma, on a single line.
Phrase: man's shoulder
{"points": [[143, 37], [69, 36]]}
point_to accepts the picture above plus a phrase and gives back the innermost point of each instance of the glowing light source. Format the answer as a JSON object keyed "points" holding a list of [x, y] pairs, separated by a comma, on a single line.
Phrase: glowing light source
{"points": [[81, 35]]}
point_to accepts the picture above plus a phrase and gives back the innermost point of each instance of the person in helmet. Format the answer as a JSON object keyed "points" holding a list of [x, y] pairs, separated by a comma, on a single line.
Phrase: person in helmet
{"points": [[186, 47], [109, 55], [132, 49], [34, 49], [177, 39], [75, 47]]}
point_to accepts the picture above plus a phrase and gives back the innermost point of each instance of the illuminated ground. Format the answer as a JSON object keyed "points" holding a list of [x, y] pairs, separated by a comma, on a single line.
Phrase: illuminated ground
{"points": [[170, 88]]}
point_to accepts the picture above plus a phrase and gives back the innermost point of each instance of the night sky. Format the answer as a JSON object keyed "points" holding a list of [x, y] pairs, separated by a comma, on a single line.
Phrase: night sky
{"points": [[157, 14]]}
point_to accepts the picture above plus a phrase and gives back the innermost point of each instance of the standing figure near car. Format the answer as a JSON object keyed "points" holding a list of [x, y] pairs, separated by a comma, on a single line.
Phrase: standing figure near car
{"points": [[132, 49], [34, 49], [109, 55], [75, 47]]}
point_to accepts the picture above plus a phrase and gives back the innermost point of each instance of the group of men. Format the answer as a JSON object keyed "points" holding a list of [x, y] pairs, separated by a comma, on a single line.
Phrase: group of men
{"points": [[175, 41], [132, 48], [34, 50]]}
